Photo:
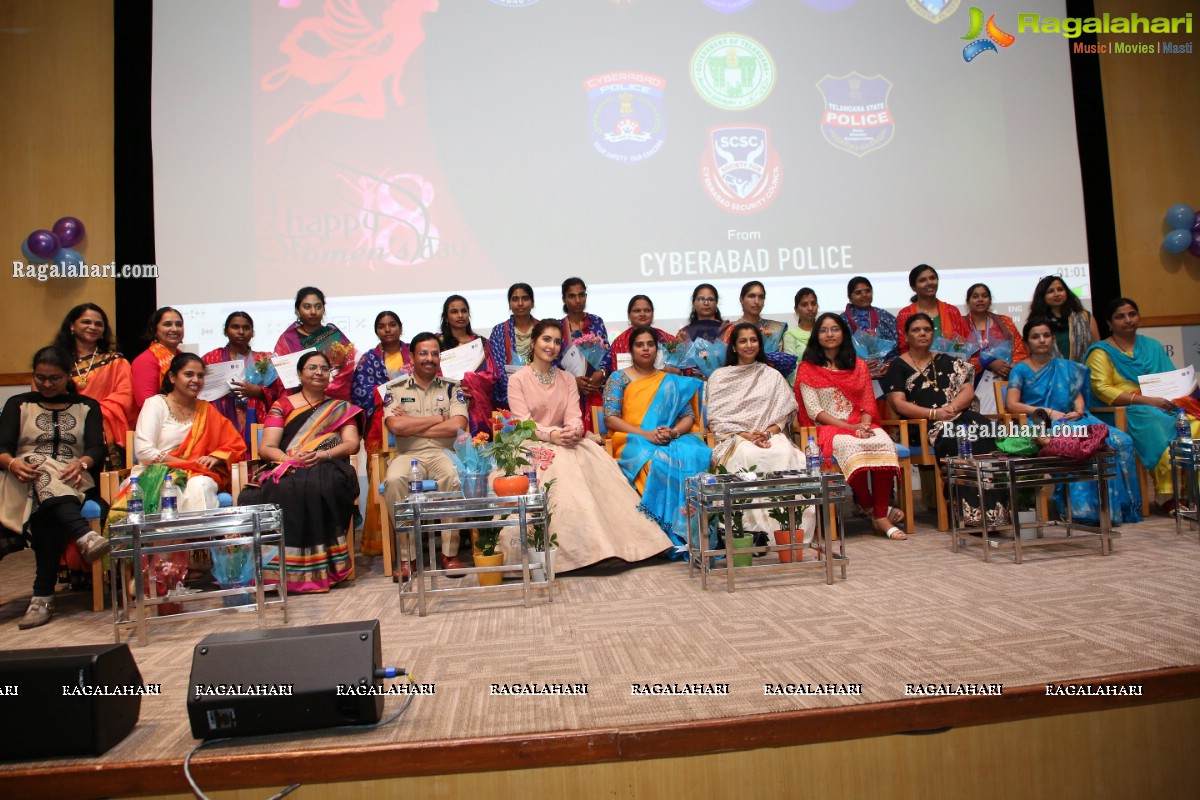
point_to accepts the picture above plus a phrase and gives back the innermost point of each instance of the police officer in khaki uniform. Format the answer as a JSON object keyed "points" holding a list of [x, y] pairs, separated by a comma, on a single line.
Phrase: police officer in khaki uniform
{"points": [[424, 412]]}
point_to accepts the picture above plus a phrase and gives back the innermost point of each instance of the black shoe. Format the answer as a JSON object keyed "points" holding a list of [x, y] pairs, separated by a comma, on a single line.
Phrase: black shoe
{"points": [[761, 540]]}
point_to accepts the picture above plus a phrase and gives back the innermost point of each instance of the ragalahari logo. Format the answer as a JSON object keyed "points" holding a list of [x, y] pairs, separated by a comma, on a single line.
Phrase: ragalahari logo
{"points": [[995, 36]]}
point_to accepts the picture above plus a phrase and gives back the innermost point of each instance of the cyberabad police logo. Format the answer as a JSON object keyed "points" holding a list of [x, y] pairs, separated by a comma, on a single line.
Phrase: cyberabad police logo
{"points": [[856, 116], [626, 114], [934, 10], [733, 72], [741, 171]]}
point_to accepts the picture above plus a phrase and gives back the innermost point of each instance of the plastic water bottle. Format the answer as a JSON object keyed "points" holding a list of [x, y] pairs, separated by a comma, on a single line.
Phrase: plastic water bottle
{"points": [[135, 502], [531, 476], [1183, 428], [964, 444], [812, 457], [168, 503], [416, 484]]}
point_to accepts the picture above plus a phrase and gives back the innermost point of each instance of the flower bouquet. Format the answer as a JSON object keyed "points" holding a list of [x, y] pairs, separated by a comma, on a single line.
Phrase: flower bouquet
{"points": [[706, 356], [339, 353], [259, 370], [955, 347], [674, 352], [233, 568], [472, 462], [593, 348], [999, 350], [870, 347]]}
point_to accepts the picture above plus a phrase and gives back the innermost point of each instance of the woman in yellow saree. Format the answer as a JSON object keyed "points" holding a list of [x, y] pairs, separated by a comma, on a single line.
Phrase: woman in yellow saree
{"points": [[651, 414]]}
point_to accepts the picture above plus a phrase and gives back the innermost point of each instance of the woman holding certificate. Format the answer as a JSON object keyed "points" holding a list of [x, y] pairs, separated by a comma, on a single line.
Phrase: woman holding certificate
{"points": [[248, 401], [1117, 363], [466, 360], [311, 332]]}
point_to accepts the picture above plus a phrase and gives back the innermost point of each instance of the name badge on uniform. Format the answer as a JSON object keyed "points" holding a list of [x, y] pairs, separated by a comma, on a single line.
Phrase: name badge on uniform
{"points": [[408, 399]]}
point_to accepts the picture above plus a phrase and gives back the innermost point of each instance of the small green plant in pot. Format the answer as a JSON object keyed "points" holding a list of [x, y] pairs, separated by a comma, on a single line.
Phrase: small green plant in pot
{"points": [[741, 538], [786, 534]]}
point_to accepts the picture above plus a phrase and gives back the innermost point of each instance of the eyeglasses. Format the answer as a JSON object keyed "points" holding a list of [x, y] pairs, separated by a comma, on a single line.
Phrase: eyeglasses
{"points": [[824, 331], [705, 300], [49, 379], [316, 370]]}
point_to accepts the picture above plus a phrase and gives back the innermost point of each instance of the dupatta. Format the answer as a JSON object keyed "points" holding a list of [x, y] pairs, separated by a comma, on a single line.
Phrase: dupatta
{"points": [[1152, 429], [746, 398], [108, 382]]}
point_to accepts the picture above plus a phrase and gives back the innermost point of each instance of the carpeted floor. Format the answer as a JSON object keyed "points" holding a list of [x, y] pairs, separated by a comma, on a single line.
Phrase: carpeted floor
{"points": [[910, 612]]}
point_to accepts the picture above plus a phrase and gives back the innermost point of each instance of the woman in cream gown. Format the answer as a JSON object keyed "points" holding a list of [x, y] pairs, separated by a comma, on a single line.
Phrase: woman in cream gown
{"points": [[594, 509]]}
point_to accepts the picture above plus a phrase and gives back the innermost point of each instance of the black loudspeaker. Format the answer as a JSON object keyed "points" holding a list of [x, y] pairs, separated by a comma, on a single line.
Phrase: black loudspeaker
{"points": [[290, 679], [68, 701]]}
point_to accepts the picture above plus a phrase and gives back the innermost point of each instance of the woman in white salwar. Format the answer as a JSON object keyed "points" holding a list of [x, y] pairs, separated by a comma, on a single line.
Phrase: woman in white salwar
{"points": [[750, 412]]}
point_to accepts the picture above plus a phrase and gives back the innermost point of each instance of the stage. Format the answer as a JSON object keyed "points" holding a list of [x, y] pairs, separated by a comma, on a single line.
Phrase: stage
{"points": [[925, 635]]}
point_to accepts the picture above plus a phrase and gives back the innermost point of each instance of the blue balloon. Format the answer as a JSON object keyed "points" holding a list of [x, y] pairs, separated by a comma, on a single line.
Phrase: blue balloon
{"points": [[1180, 216], [30, 256], [1177, 241], [70, 257]]}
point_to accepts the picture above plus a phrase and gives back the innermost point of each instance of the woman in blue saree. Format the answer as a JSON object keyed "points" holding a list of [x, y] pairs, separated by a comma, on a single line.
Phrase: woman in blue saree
{"points": [[1057, 385], [651, 414], [511, 340]]}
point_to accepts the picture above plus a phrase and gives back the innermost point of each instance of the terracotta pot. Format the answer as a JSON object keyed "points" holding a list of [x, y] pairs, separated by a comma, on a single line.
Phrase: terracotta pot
{"points": [[510, 485], [787, 537], [490, 578]]}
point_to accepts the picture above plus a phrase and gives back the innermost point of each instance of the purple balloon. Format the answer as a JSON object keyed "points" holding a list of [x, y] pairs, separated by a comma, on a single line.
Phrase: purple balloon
{"points": [[70, 231], [1196, 223], [1194, 247], [43, 244]]}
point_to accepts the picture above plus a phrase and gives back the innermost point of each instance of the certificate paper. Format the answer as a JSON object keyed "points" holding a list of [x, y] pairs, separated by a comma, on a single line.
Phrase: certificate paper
{"points": [[285, 366], [218, 376], [573, 362], [1173, 384], [458, 361]]}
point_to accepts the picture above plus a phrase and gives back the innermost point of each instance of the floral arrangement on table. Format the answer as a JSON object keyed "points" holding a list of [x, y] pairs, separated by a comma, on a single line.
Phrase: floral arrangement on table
{"points": [[470, 456], [870, 347], [956, 347], [593, 348], [508, 442], [706, 356], [260, 371], [998, 350]]}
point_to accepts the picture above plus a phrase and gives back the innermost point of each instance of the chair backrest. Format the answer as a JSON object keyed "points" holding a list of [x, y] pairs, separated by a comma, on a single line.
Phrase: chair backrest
{"points": [[256, 431], [1001, 389], [598, 425], [130, 456]]}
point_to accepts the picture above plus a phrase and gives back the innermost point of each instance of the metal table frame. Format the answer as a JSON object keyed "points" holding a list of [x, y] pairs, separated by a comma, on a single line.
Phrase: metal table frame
{"points": [[450, 511], [722, 495], [1185, 458], [209, 529], [1011, 473]]}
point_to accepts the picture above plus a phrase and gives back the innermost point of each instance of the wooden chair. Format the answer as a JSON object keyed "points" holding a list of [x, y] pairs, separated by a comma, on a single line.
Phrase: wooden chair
{"points": [[376, 472]]}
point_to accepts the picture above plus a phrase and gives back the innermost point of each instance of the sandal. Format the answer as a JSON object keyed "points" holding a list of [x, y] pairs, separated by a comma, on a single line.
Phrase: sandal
{"points": [[891, 531], [895, 516]]}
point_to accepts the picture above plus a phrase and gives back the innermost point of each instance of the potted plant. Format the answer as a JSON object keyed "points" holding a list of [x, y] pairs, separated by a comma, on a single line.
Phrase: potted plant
{"points": [[508, 451], [542, 549], [740, 536], [786, 534], [486, 540]]}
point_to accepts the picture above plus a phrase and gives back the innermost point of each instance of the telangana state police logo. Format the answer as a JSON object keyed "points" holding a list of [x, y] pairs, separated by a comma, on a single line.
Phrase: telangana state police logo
{"points": [[740, 170], [856, 117], [626, 114], [934, 10], [733, 72]]}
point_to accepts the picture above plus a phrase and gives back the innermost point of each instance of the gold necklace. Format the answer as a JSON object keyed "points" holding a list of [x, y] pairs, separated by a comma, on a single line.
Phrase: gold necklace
{"points": [[83, 379], [177, 411]]}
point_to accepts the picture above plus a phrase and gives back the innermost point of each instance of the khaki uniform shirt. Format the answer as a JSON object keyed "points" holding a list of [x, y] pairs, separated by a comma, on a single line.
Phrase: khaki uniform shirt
{"points": [[442, 397]]}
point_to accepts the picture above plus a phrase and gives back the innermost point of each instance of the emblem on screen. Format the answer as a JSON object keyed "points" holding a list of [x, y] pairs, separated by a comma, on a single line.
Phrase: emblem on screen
{"points": [[733, 72], [728, 6], [740, 170], [978, 46], [934, 10], [625, 111], [856, 117]]}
